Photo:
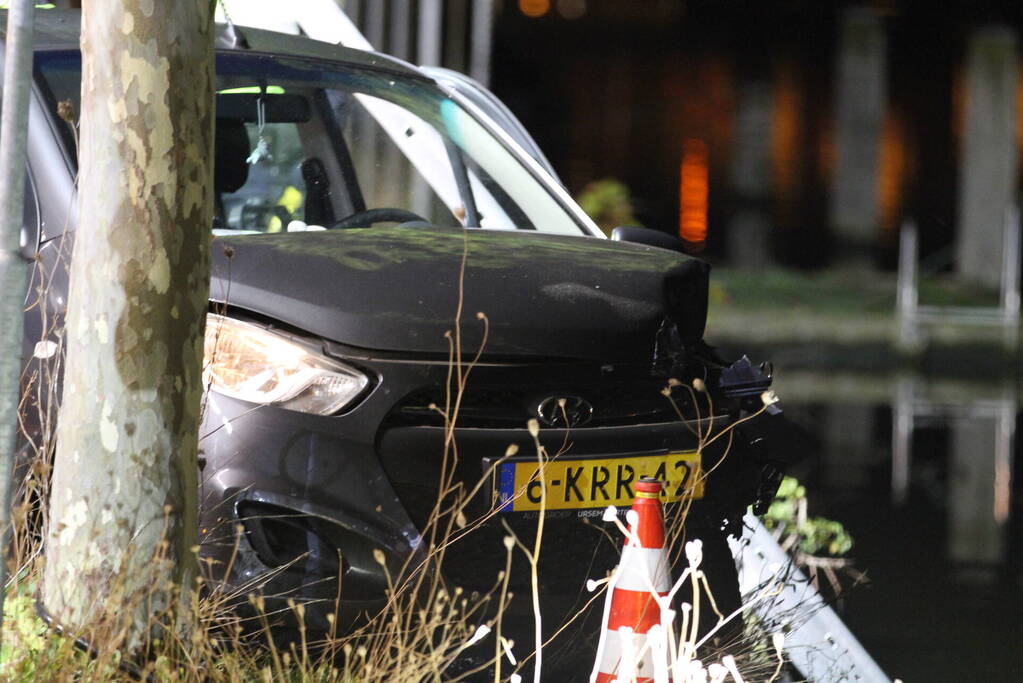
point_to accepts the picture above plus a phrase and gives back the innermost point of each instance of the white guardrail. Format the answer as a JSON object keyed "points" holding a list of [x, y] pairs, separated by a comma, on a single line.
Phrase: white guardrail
{"points": [[817, 643]]}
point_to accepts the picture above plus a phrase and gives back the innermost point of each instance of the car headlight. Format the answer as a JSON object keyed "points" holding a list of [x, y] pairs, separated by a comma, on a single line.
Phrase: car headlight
{"points": [[250, 363]]}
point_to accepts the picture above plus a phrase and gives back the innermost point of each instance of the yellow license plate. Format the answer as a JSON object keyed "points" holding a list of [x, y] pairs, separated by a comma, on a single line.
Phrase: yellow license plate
{"points": [[595, 482]]}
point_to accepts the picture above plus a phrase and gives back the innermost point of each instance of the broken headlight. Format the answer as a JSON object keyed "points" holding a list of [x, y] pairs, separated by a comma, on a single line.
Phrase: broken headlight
{"points": [[253, 364]]}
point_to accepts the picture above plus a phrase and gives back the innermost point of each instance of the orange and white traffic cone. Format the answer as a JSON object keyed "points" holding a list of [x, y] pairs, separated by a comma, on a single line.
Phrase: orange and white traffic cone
{"points": [[623, 654]]}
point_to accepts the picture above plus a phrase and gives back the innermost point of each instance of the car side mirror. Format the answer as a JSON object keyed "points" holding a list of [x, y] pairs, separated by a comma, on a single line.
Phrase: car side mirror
{"points": [[651, 238]]}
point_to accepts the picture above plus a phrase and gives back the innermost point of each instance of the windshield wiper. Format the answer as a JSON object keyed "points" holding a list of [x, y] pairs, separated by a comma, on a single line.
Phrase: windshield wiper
{"points": [[472, 215]]}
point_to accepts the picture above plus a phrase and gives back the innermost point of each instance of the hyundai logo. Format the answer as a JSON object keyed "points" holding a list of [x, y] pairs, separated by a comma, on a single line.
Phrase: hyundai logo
{"points": [[564, 411]]}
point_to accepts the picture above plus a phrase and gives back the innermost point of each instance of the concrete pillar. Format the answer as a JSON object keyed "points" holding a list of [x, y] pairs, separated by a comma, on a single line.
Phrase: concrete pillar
{"points": [[859, 118], [988, 173], [749, 244], [974, 533]]}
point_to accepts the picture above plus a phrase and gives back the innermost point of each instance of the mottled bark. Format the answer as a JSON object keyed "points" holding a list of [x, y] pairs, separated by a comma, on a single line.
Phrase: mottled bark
{"points": [[123, 507]]}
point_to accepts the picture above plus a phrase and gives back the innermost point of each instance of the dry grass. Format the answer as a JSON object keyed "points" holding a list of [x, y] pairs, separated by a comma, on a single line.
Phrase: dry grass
{"points": [[424, 630]]}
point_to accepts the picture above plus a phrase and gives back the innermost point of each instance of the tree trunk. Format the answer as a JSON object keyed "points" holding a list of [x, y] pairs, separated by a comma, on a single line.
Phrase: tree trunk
{"points": [[123, 504]]}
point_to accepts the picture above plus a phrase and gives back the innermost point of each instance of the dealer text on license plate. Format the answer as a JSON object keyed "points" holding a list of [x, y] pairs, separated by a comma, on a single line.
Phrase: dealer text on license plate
{"points": [[595, 482]]}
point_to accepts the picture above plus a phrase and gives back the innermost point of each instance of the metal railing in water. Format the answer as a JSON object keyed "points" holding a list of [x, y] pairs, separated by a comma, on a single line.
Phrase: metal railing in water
{"points": [[913, 317]]}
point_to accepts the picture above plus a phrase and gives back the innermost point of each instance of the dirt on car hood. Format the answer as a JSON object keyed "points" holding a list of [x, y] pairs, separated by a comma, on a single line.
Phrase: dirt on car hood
{"points": [[399, 289]]}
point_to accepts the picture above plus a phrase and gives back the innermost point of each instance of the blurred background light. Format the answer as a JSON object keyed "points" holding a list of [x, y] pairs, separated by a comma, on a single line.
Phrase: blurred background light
{"points": [[534, 8], [693, 192], [571, 9]]}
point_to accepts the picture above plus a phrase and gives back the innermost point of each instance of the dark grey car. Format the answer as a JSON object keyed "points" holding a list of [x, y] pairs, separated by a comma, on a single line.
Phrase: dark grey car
{"points": [[360, 209]]}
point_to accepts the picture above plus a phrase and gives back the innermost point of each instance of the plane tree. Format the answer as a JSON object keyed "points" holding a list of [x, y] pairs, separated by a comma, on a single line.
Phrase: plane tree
{"points": [[122, 533]]}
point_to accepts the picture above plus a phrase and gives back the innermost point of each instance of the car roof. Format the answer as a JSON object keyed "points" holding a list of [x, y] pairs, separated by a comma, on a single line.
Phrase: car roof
{"points": [[59, 30]]}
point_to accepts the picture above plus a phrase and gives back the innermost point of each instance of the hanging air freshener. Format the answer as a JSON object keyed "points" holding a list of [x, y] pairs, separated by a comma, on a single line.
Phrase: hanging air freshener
{"points": [[261, 154]]}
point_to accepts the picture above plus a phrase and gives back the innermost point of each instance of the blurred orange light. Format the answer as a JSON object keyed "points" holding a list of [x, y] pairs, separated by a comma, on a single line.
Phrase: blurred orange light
{"points": [[891, 176], [534, 8], [787, 125], [693, 191]]}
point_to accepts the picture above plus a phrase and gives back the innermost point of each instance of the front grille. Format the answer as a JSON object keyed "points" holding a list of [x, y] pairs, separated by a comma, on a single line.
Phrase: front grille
{"points": [[503, 399], [573, 548], [511, 406]]}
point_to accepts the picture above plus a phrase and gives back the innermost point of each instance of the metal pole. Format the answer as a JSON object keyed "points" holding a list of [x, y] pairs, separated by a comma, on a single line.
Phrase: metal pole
{"points": [[1010, 277], [428, 53], [353, 10], [1004, 454], [482, 38], [431, 15], [906, 297], [902, 438], [13, 267], [374, 25], [400, 40]]}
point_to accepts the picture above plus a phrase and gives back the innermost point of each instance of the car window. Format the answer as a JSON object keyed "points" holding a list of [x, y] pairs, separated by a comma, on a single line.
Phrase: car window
{"points": [[274, 192], [304, 144], [387, 175]]}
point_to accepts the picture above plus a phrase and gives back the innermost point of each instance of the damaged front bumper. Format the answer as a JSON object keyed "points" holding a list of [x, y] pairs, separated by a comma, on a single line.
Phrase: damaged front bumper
{"points": [[294, 503]]}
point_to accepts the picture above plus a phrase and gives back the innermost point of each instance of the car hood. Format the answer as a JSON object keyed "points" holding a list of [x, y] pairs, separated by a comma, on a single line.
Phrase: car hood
{"points": [[398, 289]]}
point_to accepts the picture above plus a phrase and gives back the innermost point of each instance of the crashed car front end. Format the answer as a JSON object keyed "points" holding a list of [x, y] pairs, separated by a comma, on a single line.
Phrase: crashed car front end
{"points": [[599, 342], [363, 377]]}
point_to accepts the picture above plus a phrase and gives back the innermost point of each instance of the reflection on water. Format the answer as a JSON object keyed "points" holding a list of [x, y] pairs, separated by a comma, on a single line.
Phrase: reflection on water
{"points": [[920, 471], [981, 449]]}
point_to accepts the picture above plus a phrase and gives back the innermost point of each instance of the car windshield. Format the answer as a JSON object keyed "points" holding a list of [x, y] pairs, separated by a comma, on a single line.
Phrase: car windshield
{"points": [[303, 143]]}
